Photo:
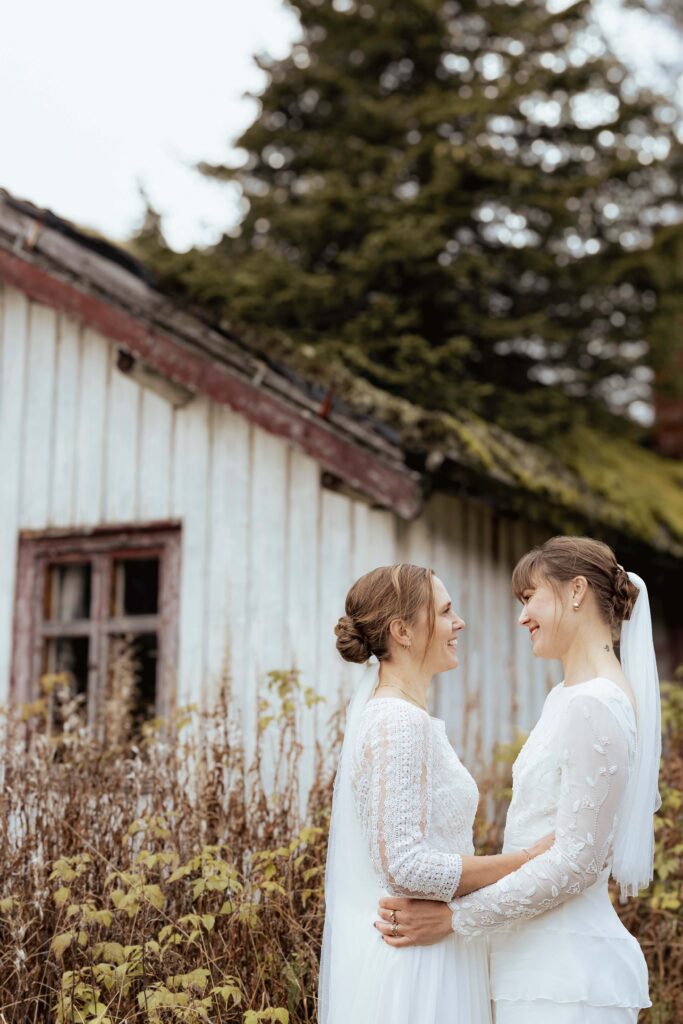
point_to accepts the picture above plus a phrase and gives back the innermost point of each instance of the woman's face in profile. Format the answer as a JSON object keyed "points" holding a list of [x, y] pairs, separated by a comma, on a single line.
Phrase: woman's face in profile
{"points": [[543, 614], [441, 654]]}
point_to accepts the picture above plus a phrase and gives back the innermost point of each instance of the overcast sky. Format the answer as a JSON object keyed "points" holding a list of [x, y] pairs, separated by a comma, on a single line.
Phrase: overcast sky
{"points": [[97, 100]]}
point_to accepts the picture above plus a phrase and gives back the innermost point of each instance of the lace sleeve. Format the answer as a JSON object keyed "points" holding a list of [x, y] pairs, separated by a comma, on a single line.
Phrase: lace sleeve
{"points": [[594, 773], [393, 791]]}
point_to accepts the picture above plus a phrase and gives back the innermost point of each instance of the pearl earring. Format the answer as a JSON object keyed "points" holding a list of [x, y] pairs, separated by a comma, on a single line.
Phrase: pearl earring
{"points": [[575, 606]]}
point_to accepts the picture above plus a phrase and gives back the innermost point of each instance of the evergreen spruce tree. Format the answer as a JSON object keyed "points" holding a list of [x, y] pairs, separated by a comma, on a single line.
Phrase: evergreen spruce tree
{"points": [[470, 203]]}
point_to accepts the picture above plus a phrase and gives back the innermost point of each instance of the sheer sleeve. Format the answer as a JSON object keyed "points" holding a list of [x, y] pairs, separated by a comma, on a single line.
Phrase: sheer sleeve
{"points": [[393, 792], [594, 772]]}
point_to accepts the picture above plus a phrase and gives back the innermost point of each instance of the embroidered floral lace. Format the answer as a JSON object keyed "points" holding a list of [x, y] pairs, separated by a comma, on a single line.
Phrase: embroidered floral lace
{"points": [[589, 742], [415, 800]]}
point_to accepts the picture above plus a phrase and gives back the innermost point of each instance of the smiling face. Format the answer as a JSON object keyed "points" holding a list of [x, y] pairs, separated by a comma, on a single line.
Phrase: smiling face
{"points": [[545, 614], [440, 653]]}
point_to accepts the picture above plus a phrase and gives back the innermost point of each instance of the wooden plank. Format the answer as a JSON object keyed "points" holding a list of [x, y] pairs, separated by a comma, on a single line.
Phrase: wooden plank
{"points": [[38, 416], [301, 601], [63, 544], [477, 637], [381, 538], [414, 542], [154, 458], [217, 613], [90, 437], [490, 637], [505, 611], [238, 437], [522, 647], [122, 452], [335, 580], [268, 584], [444, 531], [191, 458], [227, 508], [22, 683], [362, 558], [67, 393], [169, 610], [13, 357], [303, 568], [267, 556]]}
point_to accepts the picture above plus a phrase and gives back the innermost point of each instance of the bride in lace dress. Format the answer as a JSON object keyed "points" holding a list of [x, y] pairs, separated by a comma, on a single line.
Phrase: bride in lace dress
{"points": [[402, 816], [558, 951]]}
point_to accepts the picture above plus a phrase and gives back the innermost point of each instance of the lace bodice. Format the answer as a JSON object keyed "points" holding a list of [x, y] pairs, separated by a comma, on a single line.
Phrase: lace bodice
{"points": [[415, 800], [570, 777]]}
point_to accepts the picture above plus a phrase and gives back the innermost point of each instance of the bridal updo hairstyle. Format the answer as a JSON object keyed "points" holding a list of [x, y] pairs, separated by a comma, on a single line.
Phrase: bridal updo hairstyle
{"points": [[560, 559], [389, 592]]}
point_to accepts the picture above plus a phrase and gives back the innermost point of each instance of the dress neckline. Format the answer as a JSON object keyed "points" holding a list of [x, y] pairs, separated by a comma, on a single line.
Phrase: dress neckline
{"points": [[375, 700]]}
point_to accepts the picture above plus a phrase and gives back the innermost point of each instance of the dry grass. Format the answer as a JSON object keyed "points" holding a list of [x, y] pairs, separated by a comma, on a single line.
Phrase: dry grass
{"points": [[139, 889]]}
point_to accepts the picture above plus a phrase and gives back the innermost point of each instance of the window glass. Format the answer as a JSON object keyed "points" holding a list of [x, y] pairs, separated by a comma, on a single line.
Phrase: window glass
{"points": [[132, 680], [136, 586], [69, 655], [68, 592]]}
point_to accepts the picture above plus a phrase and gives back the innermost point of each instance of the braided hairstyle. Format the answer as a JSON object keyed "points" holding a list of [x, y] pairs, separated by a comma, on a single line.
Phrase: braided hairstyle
{"points": [[562, 558]]}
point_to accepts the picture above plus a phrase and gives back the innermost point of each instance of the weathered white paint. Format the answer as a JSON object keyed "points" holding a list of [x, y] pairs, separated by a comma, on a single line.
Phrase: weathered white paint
{"points": [[267, 553]]}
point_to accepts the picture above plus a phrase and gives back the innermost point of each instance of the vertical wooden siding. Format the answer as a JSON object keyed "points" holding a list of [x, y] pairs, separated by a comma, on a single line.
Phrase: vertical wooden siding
{"points": [[267, 553]]}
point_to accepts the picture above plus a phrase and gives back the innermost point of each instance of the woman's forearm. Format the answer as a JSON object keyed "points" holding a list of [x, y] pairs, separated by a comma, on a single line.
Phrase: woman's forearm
{"points": [[478, 872]]}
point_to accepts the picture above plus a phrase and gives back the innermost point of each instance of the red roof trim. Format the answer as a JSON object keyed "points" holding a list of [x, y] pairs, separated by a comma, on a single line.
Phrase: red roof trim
{"points": [[360, 469]]}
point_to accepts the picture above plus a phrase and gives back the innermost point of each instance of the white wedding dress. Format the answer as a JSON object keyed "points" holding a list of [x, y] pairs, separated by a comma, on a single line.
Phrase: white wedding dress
{"points": [[559, 953], [416, 804]]}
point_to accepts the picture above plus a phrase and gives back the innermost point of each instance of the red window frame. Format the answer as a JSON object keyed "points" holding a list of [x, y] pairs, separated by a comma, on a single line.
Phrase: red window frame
{"points": [[101, 547]]}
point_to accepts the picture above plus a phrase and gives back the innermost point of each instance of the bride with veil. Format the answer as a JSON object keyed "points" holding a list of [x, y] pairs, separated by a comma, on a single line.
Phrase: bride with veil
{"points": [[558, 951]]}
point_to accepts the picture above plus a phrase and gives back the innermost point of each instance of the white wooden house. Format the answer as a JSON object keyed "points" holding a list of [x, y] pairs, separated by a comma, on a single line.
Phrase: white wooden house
{"points": [[158, 478]]}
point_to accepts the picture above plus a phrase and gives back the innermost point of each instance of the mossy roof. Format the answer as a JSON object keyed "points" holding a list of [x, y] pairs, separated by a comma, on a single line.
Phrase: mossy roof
{"points": [[586, 478]]}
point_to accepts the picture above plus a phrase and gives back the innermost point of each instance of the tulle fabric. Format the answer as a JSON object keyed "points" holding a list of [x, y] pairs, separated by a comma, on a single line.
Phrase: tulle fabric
{"points": [[446, 983], [634, 845]]}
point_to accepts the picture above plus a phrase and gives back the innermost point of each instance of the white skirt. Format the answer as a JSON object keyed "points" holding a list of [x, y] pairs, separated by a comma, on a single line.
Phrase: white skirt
{"points": [[542, 1011], [445, 983]]}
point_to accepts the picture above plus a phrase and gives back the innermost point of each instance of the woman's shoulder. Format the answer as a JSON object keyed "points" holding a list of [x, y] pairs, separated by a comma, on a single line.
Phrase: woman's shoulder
{"points": [[389, 724], [396, 708], [393, 716], [604, 698]]}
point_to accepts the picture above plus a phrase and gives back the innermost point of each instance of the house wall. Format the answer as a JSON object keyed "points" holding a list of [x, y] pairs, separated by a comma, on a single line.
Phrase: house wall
{"points": [[268, 553]]}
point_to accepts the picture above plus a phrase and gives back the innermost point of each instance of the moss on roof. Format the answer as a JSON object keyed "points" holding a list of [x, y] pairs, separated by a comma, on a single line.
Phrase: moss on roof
{"points": [[587, 476]]}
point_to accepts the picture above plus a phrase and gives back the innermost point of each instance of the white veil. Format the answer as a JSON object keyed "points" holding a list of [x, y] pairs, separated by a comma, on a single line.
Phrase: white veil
{"points": [[351, 887], [632, 865]]}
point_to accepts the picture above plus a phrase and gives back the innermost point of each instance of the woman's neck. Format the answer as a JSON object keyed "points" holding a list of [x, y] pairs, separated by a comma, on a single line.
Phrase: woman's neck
{"points": [[588, 658], [403, 677]]}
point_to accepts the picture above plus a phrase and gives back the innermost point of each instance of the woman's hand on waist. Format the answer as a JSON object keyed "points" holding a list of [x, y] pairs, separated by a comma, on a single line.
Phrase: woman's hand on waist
{"points": [[410, 922]]}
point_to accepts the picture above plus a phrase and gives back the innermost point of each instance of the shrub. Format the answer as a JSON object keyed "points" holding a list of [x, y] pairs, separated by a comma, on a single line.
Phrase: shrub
{"points": [[164, 879], [137, 888]]}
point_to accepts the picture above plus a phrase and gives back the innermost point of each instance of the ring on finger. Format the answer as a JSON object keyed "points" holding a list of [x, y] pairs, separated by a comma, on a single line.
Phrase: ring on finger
{"points": [[393, 917], [394, 930]]}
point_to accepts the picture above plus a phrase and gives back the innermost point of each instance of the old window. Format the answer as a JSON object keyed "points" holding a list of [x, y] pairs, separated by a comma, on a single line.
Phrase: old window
{"points": [[99, 608]]}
